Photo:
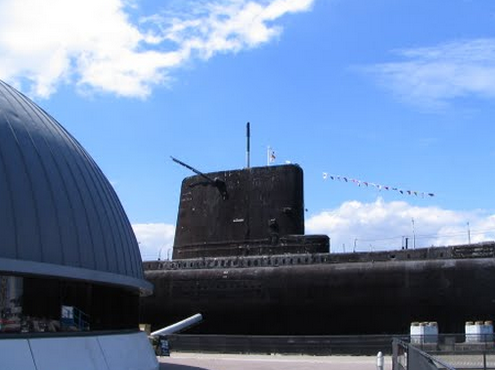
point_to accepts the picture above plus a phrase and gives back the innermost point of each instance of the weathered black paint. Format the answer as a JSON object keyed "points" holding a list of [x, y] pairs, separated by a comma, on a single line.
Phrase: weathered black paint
{"points": [[246, 278], [361, 293], [261, 215]]}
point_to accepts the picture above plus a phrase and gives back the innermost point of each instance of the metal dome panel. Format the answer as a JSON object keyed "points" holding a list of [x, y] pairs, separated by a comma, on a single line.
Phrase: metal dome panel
{"points": [[59, 215]]}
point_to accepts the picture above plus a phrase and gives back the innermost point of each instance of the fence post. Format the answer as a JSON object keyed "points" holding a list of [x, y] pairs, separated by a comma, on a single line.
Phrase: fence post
{"points": [[395, 354]]}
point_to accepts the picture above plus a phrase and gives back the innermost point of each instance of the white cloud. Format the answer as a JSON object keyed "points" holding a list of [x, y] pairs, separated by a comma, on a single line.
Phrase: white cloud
{"points": [[432, 76], [378, 225], [95, 45], [155, 240], [230, 25], [382, 225]]}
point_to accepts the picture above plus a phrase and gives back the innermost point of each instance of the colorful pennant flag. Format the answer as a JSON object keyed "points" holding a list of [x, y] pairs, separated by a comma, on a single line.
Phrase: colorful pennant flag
{"points": [[377, 186]]}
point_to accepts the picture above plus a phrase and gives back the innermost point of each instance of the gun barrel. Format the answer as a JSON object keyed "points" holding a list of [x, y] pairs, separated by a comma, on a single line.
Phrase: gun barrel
{"points": [[179, 326], [197, 172]]}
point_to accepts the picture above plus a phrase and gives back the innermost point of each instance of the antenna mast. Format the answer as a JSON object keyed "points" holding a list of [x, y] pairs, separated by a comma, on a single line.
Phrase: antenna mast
{"points": [[248, 149]]}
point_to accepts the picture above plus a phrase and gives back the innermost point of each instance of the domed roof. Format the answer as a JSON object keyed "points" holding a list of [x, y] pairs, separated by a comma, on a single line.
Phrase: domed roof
{"points": [[59, 215]]}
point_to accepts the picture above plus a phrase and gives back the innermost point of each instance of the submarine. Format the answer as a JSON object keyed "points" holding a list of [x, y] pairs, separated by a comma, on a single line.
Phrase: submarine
{"points": [[241, 258]]}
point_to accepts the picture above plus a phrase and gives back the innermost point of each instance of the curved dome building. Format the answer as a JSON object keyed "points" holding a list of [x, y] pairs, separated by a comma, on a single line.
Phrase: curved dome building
{"points": [[69, 259]]}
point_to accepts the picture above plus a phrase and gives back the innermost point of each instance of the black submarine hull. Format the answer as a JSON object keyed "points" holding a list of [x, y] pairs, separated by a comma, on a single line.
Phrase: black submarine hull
{"points": [[241, 259], [326, 294]]}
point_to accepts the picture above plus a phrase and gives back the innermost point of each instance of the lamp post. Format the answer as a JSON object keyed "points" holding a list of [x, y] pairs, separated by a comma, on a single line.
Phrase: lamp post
{"points": [[160, 253], [469, 233], [414, 234]]}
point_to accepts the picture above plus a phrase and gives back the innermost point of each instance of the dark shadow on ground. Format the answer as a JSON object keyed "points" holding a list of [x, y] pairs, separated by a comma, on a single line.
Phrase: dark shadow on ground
{"points": [[166, 366]]}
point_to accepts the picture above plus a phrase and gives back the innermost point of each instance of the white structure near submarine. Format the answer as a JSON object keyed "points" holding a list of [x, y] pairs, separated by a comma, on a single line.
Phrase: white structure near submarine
{"points": [[70, 270]]}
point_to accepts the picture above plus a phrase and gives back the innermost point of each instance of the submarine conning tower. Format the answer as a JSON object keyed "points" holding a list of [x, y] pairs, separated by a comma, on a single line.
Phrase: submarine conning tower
{"points": [[247, 212]]}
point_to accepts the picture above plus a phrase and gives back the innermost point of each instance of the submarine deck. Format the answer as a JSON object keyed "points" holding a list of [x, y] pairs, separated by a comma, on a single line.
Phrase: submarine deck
{"points": [[480, 250]]}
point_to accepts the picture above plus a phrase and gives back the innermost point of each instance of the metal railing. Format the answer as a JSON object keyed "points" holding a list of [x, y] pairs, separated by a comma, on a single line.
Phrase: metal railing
{"points": [[407, 357], [448, 351], [324, 345], [74, 318]]}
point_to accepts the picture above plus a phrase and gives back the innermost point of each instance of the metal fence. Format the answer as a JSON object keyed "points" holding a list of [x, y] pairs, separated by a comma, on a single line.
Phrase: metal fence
{"points": [[310, 345], [447, 351]]}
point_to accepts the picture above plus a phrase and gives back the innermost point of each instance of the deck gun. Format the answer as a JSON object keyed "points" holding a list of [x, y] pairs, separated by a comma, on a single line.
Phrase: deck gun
{"points": [[216, 182]]}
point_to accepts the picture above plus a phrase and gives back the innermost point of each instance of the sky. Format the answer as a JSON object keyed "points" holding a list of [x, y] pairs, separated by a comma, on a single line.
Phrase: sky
{"points": [[395, 94]]}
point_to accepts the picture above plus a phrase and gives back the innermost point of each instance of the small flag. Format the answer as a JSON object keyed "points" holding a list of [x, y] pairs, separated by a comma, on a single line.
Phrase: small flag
{"points": [[270, 156]]}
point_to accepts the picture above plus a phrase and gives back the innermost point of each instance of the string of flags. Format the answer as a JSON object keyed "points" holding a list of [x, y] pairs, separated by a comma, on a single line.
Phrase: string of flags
{"points": [[377, 186]]}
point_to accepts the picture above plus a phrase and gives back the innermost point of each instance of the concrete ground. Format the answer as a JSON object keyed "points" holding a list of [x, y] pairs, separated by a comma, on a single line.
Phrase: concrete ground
{"points": [[194, 361]]}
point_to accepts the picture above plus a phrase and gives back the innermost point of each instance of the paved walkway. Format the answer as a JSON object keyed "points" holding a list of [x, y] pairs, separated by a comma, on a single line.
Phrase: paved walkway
{"points": [[193, 361]]}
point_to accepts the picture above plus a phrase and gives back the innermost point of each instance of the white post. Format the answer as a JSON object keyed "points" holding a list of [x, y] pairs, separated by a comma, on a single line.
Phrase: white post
{"points": [[379, 361]]}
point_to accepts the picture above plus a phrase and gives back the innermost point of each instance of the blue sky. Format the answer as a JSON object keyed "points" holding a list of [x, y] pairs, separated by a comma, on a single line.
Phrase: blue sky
{"points": [[397, 93]]}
